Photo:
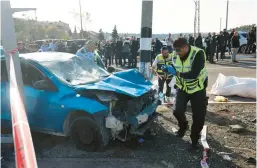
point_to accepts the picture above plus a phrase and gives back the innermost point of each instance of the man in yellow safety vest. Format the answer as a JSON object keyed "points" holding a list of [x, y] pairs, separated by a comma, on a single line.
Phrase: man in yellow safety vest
{"points": [[163, 59], [189, 67]]}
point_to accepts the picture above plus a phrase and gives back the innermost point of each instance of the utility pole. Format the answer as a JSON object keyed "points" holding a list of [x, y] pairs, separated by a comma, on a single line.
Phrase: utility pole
{"points": [[146, 38], [81, 24], [197, 18], [220, 23], [227, 15]]}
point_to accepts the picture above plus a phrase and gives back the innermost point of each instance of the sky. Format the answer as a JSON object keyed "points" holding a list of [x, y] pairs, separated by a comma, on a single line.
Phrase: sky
{"points": [[169, 16]]}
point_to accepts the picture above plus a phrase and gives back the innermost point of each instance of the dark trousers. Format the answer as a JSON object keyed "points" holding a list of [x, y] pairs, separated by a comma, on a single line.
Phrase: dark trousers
{"points": [[199, 103], [221, 49], [208, 52], [161, 85], [249, 47], [113, 56], [118, 58], [134, 59], [107, 61], [124, 57], [212, 53]]}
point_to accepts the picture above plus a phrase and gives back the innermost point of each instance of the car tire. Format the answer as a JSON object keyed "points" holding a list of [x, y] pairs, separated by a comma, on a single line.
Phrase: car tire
{"points": [[242, 49], [86, 135]]}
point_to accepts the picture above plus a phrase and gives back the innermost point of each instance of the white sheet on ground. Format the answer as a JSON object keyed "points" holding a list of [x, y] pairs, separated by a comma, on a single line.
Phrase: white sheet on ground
{"points": [[231, 85]]}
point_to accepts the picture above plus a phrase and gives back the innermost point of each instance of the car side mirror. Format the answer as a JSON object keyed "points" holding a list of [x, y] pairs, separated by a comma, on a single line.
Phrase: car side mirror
{"points": [[110, 69], [41, 84]]}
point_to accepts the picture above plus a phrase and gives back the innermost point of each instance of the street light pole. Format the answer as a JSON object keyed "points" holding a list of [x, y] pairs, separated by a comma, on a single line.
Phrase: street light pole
{"points": [[80, 14], [220, 23], [227, 15], [146, 38]]}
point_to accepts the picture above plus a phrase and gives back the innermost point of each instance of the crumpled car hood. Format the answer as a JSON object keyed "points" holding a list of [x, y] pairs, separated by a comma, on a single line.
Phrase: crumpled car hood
{"points": [[129, 82]]}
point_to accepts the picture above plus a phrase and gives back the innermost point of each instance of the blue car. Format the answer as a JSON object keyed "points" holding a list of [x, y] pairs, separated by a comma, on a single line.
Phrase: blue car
{"points": [[69, 96]]}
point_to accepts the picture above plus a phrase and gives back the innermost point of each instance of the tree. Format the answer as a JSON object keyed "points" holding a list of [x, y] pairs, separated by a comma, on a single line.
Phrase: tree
{"points": [[52, 32], [101, 34], [115, 35]]}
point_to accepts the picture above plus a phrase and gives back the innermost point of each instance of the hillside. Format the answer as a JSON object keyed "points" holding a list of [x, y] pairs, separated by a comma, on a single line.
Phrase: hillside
{"points": [[34, 30]]}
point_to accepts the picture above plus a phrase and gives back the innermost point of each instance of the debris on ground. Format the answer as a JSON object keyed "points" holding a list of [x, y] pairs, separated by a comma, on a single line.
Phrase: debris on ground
{"points": [[221, 99], [162, 109], [226, 157], [236, 128]]}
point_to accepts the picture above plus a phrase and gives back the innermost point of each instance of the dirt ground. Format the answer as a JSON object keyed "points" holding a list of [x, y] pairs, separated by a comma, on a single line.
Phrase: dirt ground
{"points": [[160, 147]]}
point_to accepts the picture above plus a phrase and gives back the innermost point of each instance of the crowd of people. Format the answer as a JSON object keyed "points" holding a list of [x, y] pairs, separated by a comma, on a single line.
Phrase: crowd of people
{"points": [[123, 52]]}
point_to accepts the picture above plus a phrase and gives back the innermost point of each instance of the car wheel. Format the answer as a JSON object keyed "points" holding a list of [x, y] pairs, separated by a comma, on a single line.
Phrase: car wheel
{"points": [[242, 49], [86, 135]]}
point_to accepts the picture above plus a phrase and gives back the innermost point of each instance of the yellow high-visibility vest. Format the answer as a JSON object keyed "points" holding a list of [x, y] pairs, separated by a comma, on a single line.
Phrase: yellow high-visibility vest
{"points": [[189, 85], [161, 62]]}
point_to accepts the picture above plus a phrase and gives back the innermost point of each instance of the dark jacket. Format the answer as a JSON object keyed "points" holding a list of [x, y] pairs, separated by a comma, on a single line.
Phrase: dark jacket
{"points": [[208, 41], [214, 42], [231, 35], [158, 46], [221, 40], [73, 48], [107, 50], [119, 46], [199, 42], [226, 35], [235, 42], [134, 46], [61, 47], [191, 41]]}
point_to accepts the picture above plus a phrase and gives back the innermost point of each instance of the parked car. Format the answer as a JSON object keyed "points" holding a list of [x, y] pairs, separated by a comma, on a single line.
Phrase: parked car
{"points": [[69, 96]]}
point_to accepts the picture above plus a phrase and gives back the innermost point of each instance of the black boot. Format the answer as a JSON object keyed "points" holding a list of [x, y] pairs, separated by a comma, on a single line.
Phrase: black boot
{"points": [[182, 130]]}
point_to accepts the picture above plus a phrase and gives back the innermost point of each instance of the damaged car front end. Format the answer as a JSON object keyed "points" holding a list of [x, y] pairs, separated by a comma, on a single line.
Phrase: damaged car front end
{"points": [[130, 99]]}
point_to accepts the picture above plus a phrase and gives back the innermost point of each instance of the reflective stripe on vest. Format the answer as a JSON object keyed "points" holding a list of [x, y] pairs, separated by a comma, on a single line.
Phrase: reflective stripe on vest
{"points": [[161, 62], [189, 85]]}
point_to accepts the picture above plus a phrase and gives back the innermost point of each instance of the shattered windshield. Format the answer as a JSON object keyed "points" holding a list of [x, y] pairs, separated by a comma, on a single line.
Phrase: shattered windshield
{"points": [[76, 70]]}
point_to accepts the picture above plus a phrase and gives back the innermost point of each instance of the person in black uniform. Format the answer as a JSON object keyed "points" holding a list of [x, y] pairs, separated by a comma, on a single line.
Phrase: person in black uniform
{"points": [[107, 54], [208, 46], [199, 41], [191, 86], [191, 40], [134, 52], [113, 45], [250, 40], [118, 56], [227, 40], [221, 46], [73, 48], [213, 48]]}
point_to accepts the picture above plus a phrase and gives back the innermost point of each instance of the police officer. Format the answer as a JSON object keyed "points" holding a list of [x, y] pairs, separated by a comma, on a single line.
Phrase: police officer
{"points": [[208, 46], [189, 67], [87, 51], [163, 59]]}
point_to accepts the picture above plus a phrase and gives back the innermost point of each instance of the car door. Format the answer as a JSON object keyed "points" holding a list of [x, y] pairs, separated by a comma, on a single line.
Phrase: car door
{"points": [[38, 102], [5, 97]]}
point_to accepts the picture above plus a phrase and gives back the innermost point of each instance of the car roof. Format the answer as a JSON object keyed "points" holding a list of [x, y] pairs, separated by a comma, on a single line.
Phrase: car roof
{"points": [[46, 56]]}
